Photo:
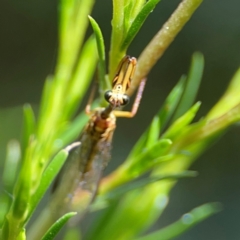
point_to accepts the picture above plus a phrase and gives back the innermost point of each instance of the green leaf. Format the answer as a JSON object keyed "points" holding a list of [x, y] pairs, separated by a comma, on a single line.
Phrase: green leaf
{"points": [[138, 5], [82, 77], [149, 157], [9, 176], [153, 132], [117, 193], [49, 174], [22, 235], [194, 78], [127, 15], [22, 190], [44, 111], [29, 127], [139, 145], [169, 106], [5, 204], [162, 118], [57, 226], [104, 84], [65, 18], [137, 23], [187, 221], [179, 125], [229, 100], [72, 28]]}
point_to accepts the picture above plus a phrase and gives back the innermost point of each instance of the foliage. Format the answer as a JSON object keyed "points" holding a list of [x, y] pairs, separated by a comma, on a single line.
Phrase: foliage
{"points": [[165, 150]]}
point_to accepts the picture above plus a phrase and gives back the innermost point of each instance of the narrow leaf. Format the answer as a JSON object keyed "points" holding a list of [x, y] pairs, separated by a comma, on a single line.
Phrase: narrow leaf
{"points": [[138, 22], [28, 125], [119, 191], [44, 106], [139, 145], [163, 115], [148, 158], [103, 201], [57, 226], [104, 84], [192, 84], [9, 176], [229, 100], [179, 125], [49, 174], [169, 106], [127, 15], [22, 189], [153, 132], [160, 42], [5, 204], [187, 221], [82, 77], [72, 28], [138, 5]]}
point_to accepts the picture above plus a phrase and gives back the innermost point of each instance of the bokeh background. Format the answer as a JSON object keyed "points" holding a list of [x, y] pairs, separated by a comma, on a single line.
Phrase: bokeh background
{"points": [[28, 51]]}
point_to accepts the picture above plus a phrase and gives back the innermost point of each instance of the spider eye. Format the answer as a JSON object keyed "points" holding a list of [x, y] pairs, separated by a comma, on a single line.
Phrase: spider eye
{"points": [[126, 100], [108, 95]]}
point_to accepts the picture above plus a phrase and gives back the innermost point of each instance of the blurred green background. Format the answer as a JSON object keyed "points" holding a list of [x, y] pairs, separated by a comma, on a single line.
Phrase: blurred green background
{"points": [[28, 51]]}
